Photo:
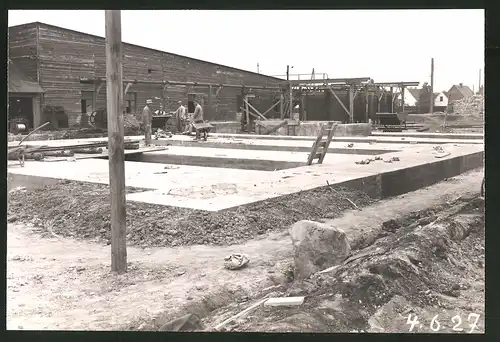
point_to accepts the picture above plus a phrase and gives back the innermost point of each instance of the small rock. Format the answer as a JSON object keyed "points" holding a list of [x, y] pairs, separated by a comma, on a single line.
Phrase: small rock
{"points": [[180, 273], [12, 218]]}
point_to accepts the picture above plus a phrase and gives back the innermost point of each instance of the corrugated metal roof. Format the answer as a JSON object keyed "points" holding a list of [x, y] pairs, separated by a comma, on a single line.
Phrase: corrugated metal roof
{"points": [[21, 83]]}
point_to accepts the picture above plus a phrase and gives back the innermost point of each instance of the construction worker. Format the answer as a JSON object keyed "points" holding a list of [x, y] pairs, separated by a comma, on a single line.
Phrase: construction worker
{"points": [[147, 117], [180, 116], [197, 117]]}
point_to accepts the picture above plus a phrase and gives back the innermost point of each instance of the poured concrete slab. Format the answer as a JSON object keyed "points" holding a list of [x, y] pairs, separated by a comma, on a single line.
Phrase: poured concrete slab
{"points": [[213, 189]]}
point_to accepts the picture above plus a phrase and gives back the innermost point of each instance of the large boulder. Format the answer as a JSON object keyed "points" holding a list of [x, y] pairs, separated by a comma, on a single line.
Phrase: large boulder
{"points": [[317, 246]]}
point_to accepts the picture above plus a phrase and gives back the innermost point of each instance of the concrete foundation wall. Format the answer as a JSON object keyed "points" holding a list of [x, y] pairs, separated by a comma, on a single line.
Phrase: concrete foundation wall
{"points": [[226, 127], [311, 128]]}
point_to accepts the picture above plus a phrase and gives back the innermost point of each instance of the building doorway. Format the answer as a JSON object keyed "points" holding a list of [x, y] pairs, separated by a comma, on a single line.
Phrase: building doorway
{"points": [[21, 110]]}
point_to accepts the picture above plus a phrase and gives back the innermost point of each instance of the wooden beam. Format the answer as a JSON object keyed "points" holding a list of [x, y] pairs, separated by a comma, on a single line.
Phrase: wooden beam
{"points": [[210, 101], [255, 110], [343, 106], [247, 112], [114, 76], [127, 88], [275, 128], [282, 113], [402, 98], [218, 91], [392, 102], [178, 83], [366, 104], [355, 93], [351, 103], [99, 87], [270, 108], [301, 113], [94, 97]]}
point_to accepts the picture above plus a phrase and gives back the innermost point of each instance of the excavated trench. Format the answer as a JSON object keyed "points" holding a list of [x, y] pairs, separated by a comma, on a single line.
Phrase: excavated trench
{"points": [[427, 266]]}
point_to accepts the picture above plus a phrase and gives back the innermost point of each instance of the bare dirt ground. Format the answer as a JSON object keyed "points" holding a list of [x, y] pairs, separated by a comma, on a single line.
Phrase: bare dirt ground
{"points": [[56, 282], [81, 210], [430, 272]]}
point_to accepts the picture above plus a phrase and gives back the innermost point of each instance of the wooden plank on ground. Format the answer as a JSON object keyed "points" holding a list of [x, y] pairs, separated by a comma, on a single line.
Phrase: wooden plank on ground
{"points": [[284, 301], [275, 128]]}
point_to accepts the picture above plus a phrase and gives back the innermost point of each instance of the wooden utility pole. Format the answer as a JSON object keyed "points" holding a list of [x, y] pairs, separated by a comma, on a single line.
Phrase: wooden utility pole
{"points": [[114, 84], [432, 87], [479, 88]]}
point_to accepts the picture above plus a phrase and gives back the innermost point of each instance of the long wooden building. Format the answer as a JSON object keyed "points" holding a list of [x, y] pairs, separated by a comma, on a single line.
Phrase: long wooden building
{"points": [[70, 69]]}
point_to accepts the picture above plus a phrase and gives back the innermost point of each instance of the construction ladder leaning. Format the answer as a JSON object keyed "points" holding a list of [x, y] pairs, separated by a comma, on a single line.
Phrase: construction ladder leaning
{"points": [[320, 143]]}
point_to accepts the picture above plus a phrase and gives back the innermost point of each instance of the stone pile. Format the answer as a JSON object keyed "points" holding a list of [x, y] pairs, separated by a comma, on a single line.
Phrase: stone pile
{"points": [[472, 106]]}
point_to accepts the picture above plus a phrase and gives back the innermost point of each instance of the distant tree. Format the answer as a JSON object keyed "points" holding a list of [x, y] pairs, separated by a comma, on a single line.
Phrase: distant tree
{"points": [[424, 100]]}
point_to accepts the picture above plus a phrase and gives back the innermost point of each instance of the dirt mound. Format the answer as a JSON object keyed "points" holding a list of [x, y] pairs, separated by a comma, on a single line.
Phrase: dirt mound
{"points": [[81, 210], [416, 271]]}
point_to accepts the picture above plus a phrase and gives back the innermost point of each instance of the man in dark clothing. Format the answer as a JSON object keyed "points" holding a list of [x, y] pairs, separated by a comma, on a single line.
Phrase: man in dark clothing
{"points": [[147, 118], [197, 117]]}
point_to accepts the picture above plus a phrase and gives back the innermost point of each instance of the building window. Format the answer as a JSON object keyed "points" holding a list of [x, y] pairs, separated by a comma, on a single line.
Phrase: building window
{"points": [[441, 99], [131, 102]]}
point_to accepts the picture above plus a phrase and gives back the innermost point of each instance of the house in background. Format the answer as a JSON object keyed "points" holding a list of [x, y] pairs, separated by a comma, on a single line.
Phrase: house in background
{"points": [[412, 95], [459, 92], [440, 101]]}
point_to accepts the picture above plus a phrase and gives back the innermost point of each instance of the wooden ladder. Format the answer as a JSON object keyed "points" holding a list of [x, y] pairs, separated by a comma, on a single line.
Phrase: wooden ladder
{"points": [[321, 143]]}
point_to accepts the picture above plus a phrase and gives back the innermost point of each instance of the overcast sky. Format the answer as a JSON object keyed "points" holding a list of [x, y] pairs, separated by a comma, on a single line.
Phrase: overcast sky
{"points": [[386, 45]]}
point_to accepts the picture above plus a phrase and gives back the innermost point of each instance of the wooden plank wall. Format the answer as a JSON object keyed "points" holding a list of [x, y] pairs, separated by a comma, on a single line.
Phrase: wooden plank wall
{"points": [[66, 55], [22, 48]]}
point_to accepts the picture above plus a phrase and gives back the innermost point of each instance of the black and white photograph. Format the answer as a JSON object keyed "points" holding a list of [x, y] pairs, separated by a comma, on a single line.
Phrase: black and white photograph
{"points": [[286, 171]]}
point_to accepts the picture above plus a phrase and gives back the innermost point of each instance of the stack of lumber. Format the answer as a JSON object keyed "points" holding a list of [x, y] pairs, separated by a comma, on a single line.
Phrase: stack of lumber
{"points": [[38, 152]]}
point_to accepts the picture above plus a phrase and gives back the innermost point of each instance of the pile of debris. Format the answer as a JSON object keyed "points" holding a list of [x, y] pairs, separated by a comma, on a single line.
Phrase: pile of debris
{"points": [[81, 210], [427, 271], [472, 106]]}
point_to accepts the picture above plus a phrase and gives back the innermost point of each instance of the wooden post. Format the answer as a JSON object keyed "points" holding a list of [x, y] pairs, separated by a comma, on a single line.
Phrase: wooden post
{"points": [[247, 113], [479, 86], [392, 100], [351, 104], [366, 104], [94, 97], [402, 98], [301, 112], [114, 77], [209, 102], [431, 110], [379, 97], [282, 112]]}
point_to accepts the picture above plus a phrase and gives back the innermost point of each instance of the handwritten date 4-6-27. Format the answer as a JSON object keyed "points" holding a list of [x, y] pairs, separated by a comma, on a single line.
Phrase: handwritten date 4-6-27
{"points": [[435, 325]]}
